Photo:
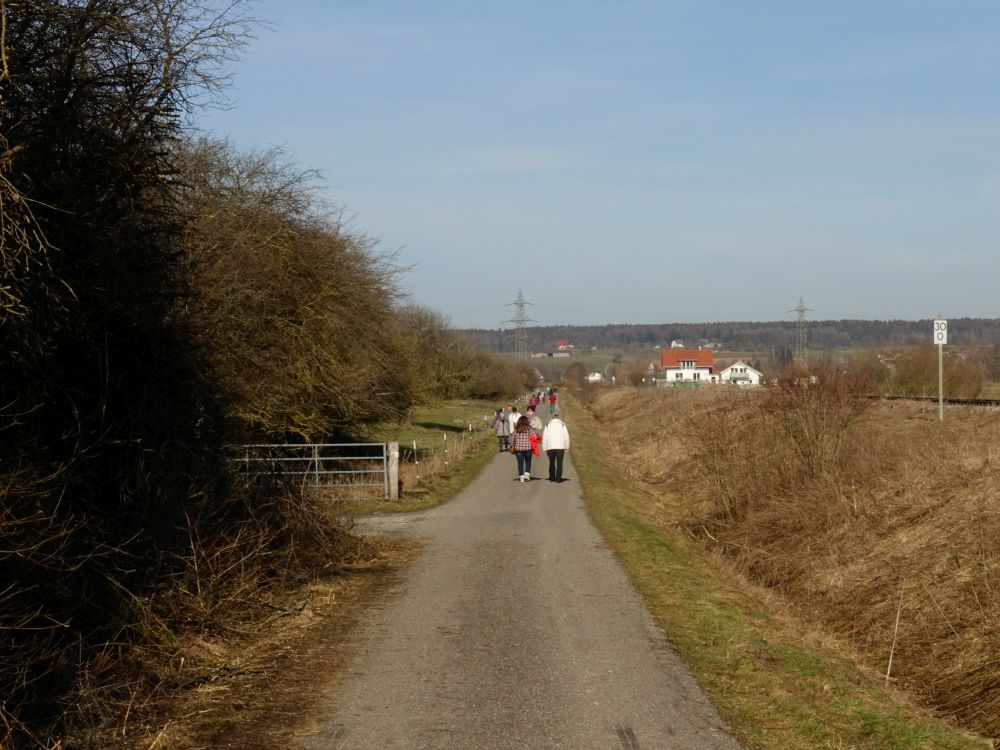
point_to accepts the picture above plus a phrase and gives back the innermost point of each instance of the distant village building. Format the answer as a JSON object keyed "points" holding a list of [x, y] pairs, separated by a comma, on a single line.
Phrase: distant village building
{"points": [[702, 344], [687, 366], [564, 345], [697, 366]]}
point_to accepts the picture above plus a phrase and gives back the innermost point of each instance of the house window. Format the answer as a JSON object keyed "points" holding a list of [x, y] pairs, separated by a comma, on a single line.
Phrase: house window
{"points": [[696, 376], [687, 364], [678, 375]]}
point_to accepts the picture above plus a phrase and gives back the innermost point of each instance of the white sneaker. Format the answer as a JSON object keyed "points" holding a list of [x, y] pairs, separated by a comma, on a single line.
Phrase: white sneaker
{"points": [[521, 478], [527, 478]]}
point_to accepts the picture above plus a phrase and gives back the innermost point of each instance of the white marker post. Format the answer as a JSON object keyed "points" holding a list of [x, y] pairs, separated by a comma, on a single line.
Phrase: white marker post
{"points": [[940, 338]]}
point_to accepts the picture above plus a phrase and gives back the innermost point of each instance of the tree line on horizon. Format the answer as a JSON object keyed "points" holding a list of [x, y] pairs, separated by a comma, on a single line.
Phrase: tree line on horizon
{"points": [[162, 295], [755, 336]]}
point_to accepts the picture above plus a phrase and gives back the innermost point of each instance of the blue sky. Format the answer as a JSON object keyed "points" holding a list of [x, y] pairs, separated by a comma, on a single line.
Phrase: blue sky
{"points": [[646, 162]]}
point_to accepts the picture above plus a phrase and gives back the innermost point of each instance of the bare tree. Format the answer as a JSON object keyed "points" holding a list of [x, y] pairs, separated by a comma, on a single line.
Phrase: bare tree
{"points": [[103, 415]]}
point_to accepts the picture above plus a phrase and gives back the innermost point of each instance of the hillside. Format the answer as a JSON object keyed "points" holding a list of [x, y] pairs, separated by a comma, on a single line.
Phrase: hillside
{"points": [[854, 514]]}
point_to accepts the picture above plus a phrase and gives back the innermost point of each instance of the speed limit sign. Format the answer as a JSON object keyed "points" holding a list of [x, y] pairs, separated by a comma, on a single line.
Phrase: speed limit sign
{"points": [[940, 331]]}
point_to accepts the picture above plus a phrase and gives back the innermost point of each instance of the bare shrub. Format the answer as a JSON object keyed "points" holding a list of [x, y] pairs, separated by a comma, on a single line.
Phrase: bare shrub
{"points": [[718, 441], [870, 371], [574, 375], [751, 450], [444, 364], [814, 419], [292, 313], [916, 373]]}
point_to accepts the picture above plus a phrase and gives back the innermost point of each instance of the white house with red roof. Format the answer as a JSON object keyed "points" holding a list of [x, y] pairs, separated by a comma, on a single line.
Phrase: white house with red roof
{"points": [[564, 345], [687, 366]]}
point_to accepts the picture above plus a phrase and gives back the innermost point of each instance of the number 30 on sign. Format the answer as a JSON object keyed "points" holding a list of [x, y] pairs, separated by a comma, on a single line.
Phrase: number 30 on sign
{"points": [[940, 331]]}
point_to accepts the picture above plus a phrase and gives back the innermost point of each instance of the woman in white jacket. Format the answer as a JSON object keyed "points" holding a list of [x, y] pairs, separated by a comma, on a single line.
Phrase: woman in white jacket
{"points": [[555, 443]]}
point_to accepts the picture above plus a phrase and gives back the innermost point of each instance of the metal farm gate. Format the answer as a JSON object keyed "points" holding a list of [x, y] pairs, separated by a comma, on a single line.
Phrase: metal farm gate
{"points": [[325, 465]]}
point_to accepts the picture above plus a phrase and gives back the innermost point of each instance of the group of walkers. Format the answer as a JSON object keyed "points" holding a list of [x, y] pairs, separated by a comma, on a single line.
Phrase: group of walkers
{"points": [[526, 436], [540, 397]]}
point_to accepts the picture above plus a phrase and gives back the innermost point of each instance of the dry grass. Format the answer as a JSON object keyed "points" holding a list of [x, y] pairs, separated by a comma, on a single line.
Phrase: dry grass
{"points": [[229, 592], [850, 513], [262, 691]]}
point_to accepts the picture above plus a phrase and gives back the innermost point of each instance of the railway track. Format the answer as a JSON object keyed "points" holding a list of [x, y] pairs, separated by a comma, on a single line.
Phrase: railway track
{"points": [[995, 402]]}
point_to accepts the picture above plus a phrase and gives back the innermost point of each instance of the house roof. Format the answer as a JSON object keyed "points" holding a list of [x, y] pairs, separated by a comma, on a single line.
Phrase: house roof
{"points": [[562, 342], [673, 357], [741, 362]]}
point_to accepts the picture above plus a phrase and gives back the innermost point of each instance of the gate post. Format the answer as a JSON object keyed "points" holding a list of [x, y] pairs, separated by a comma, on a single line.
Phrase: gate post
{"points": [[392, 472]]}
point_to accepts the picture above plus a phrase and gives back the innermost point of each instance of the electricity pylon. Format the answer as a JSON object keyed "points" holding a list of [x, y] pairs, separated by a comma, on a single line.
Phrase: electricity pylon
{"points": [[520, 332], [800, 330]]}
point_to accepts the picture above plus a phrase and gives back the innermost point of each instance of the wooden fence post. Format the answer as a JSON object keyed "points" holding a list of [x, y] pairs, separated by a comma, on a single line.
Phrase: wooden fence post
{"points": [[416, 460]]}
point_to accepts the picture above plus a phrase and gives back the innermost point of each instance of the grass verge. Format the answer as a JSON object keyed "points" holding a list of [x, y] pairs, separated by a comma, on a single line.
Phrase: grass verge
{"points": [[428, 423], [427, 428], [778, 686]]}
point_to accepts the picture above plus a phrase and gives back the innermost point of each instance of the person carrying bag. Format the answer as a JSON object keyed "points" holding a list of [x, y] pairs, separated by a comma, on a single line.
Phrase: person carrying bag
{"points": [[521, 448]]}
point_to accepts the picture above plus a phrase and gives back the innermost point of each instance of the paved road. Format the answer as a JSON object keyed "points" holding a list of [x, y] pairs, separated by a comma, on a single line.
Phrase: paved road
{"points": [[515, 629]]}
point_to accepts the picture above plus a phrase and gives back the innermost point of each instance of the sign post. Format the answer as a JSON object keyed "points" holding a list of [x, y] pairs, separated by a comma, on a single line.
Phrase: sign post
{"points": [[940, 338]]}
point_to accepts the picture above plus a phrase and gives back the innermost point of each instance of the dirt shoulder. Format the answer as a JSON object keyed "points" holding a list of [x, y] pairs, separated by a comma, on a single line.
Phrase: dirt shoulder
{"points": [[267, 687]]}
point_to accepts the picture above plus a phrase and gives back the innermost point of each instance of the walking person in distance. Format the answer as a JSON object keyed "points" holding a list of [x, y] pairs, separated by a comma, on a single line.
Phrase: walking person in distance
{"points": [[555, 443], [521, 448], [534, 420], [512, 416], [502, 427]]}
